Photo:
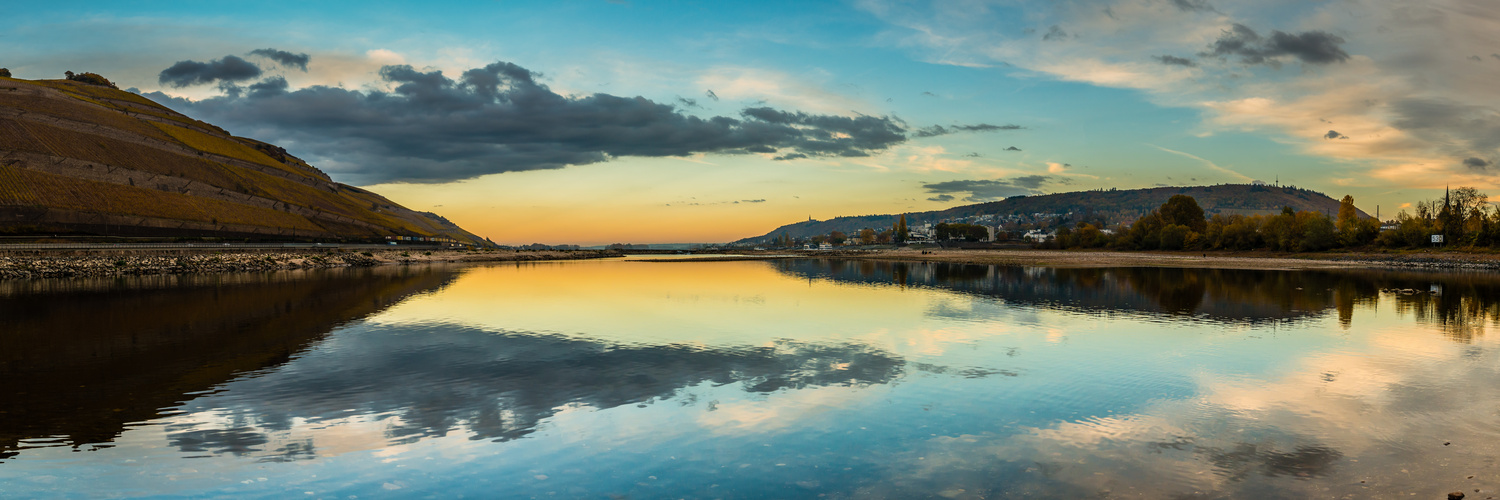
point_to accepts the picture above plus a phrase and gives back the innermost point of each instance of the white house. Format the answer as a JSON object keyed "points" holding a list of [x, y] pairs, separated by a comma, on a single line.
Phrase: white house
{"points": [[1039, 235]]}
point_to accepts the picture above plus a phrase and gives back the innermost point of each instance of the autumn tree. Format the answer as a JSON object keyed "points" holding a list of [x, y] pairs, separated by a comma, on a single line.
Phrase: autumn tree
{"points": [[867, 236], [1466, 207], [1348, 215], [1351, 229], [1090, 236], [968, 232], [1183, 210], [1174, 236]]}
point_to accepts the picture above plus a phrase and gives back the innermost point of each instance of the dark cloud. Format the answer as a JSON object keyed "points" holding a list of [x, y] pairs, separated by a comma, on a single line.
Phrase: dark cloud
{"points": [[270, 87], [791, 156], [1193, 5], [284, 58], [1476, 163], [1333, 134], [989, 190], [929, 94], [762, 200], [1496, 56], [985, 127], [433, 128], [1055, 33], [941, 198], [972, 155], [828, 134], [1012, 148], [1315, 47], [711, 95], [229, 69], [1476, 58], [1171, 60], [691, 103], [937, 130]]}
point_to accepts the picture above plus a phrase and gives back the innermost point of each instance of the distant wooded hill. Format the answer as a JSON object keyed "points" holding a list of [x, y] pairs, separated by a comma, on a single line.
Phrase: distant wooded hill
{"points": [[81, 157], [1114, 206]]}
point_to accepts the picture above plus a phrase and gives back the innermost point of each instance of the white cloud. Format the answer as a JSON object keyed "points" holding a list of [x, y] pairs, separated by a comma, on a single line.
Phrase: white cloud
{"points": [[1409, 97], [776, 89]]}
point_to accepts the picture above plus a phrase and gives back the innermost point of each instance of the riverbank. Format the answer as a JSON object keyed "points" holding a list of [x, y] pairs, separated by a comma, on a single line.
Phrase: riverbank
{"points": [[1214, 260], [31, 265]]}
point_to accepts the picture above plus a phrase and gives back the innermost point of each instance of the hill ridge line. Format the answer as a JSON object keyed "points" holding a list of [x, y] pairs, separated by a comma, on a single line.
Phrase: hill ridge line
{"points": [[87, 159], [1112, 207]]}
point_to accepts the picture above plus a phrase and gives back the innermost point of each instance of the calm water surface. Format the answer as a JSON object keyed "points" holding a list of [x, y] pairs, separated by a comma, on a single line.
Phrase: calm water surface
{"points": [[779, 379]]}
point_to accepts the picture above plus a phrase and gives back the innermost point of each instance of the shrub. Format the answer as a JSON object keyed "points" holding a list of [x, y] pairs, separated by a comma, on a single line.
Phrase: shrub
{"points": [[91, 79], [5, 72]]}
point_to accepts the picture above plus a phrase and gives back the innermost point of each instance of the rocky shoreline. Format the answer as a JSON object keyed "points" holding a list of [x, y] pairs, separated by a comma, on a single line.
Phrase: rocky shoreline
{"points": [[33, 265]]}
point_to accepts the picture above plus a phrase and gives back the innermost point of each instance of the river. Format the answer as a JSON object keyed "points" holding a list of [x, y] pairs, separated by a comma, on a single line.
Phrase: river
{"points": [[804, 378]]}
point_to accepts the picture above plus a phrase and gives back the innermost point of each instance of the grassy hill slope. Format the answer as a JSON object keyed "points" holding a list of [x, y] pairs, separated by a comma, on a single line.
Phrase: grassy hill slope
{"points": [[77, 158], [1114, 206]]}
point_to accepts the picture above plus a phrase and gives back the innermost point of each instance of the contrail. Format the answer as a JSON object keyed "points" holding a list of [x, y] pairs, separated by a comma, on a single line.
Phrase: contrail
{"points": [[1210, 164]]}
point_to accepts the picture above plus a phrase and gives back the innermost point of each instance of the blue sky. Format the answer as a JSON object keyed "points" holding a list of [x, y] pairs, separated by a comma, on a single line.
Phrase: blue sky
{"points": [[1386, 100]]}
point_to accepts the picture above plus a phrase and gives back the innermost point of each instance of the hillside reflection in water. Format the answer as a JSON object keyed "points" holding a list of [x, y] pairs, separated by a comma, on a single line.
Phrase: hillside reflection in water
{"points": [[790, 378]]}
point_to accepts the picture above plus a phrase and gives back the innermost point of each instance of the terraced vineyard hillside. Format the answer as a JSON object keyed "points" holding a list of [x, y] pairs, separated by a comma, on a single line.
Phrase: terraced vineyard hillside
{"points": [[83, 159]]}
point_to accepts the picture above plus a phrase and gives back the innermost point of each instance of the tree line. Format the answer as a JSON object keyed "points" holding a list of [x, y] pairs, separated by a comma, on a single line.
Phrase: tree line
{"points": [[1462, 218]]}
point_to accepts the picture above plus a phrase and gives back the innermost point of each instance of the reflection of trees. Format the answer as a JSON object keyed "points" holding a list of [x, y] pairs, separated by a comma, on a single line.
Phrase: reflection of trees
{"points": [[83, 357], [502, 386], [1462, 306], [1176, 291]]}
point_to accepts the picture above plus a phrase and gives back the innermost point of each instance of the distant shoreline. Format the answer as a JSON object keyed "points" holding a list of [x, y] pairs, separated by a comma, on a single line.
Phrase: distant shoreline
{"points": [[34, 264], [88, 264], [1207, 260], [1108, 258]]}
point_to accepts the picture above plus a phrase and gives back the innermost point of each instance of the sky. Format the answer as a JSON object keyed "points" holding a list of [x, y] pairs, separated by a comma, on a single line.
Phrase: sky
{"points": [[596, 122]]}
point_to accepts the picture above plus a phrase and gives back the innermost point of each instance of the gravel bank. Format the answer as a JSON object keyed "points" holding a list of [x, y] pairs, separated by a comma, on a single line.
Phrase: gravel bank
{"points": [[31, 265]]}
